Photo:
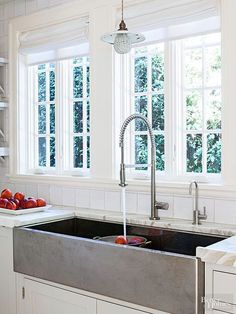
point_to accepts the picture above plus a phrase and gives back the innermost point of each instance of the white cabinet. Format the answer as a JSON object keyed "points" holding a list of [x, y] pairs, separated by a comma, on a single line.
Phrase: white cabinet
{"points": [[37, 296], [110, 308], [7, 276], [220, 294], [45, 299]]}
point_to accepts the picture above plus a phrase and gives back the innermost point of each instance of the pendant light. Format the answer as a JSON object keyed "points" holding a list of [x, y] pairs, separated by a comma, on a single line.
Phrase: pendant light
{"points": [[122, 39]]}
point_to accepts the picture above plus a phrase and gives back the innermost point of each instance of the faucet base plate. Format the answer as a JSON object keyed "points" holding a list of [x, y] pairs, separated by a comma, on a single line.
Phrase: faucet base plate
{"points": [[154, 218]]}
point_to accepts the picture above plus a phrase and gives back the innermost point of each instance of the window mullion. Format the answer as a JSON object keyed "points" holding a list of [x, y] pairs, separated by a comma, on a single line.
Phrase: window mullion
{"points": [[204, 136], [149, 97], [84, 135]]}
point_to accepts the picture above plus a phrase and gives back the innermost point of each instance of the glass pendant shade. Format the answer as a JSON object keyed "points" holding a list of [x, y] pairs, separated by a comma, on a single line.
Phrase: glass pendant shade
{"points": [[122, 40], [122, 43]]}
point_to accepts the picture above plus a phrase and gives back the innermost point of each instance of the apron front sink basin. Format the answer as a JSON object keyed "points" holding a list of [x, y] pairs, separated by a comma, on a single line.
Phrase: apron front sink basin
{"points": [[165, 276]]}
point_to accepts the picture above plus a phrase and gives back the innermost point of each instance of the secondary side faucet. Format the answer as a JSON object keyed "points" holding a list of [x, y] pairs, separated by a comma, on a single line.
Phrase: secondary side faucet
{"points": [[197, 216], [155, 206]]}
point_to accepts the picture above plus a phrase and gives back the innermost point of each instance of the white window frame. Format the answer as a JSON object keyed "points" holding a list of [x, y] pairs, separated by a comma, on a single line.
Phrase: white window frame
{"points": [[64, 134], [175, 151]]}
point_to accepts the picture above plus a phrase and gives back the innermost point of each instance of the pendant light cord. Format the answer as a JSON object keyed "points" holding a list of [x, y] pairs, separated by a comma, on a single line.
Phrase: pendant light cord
{"points": [[122, 10]]}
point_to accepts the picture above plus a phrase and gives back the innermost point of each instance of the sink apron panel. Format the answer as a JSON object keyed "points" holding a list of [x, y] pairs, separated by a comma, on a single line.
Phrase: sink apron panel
{"points": [[164, 281]]}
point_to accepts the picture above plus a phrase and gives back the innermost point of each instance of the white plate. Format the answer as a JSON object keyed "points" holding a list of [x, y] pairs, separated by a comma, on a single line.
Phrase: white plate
{"points": [[24, 211]]}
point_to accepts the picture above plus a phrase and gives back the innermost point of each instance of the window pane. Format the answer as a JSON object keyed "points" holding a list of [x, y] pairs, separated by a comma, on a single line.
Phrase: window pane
{"points": [[88, 116], [141, 74], [42, 151], [41, 66], [213, 109], [193, 41], [42, 86], [52, 119], [52, 152], [78, 152], [42, 119], [78, 117], [158, 114], [213, 66], [52, 85], [160, 152], [193, 110], [194, 152], [78, 60], [157, 72], [193, 67], [141, 106], [214, 153], [78, 82], [141, 150], [88, 152]]}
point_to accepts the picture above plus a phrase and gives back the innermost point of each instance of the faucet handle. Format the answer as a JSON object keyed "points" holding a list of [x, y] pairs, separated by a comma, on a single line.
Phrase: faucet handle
{"points": [[204, 215], [162, 205]]}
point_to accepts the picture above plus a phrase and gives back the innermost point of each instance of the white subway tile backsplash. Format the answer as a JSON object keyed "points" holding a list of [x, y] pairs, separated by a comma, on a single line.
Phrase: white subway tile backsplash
{"points": [[167, 199], [9, 11], [144, 204], [20, 188], [31, 6], [44, 192], [210, 208], [68, 197], [42, 4], [32, 190], [113, 200], [225, 212], [56, 195], [183, 207], [19, 7], [97, 199], [82, 198], [131, 202], [2, 12]]}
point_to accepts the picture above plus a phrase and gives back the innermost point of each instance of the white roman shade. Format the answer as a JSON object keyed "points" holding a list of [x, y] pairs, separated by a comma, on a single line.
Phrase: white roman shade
{"points": [[172, 19], [57, 41]]}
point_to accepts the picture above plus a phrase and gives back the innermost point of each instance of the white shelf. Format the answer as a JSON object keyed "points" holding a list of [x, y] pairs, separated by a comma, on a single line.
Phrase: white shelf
{"points": [[3, 104], [3, 61], [4, 151]]}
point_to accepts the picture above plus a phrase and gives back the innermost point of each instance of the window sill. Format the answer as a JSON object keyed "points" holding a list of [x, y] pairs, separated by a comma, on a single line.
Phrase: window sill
{"points": [[142, 186]]}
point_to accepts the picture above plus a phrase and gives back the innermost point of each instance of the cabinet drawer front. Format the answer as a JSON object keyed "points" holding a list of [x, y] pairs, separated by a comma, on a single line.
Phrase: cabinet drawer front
{"points": [[224, 291], [45, 299]]}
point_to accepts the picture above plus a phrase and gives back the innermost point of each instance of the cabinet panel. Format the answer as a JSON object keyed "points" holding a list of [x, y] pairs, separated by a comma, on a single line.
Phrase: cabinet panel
{"points": [[110, 308], [224, 287], [45, 299], [7, 276]]}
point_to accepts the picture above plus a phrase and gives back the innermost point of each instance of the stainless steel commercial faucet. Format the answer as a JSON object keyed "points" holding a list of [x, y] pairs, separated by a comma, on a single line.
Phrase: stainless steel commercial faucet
{"points": [[155, 206], [197, 216]]}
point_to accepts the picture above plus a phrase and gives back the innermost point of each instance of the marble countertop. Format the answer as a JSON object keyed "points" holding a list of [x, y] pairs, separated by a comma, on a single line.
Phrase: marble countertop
{"points": [[58, 212], [167, 223], [221, 253], [54, 213]]}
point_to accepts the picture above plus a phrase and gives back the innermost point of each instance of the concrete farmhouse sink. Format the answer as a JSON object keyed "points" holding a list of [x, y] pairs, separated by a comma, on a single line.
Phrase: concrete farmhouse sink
{"points": [[165, 276]]}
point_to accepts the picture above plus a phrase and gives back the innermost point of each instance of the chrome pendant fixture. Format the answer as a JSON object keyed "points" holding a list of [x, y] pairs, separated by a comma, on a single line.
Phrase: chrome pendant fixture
{"points": [[122, 39]]}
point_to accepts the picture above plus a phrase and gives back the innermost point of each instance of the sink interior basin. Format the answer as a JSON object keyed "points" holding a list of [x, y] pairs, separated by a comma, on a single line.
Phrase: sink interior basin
{"points": [[161, 239]]}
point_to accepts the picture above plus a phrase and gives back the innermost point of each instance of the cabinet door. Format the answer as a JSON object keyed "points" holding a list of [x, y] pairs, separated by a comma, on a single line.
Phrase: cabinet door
{"points": [[111, 308], [7, 276], [45, 299]]}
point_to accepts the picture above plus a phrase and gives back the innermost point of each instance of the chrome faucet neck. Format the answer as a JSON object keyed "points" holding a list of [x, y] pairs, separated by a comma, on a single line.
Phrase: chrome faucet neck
{"points": [[154, 205]]}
